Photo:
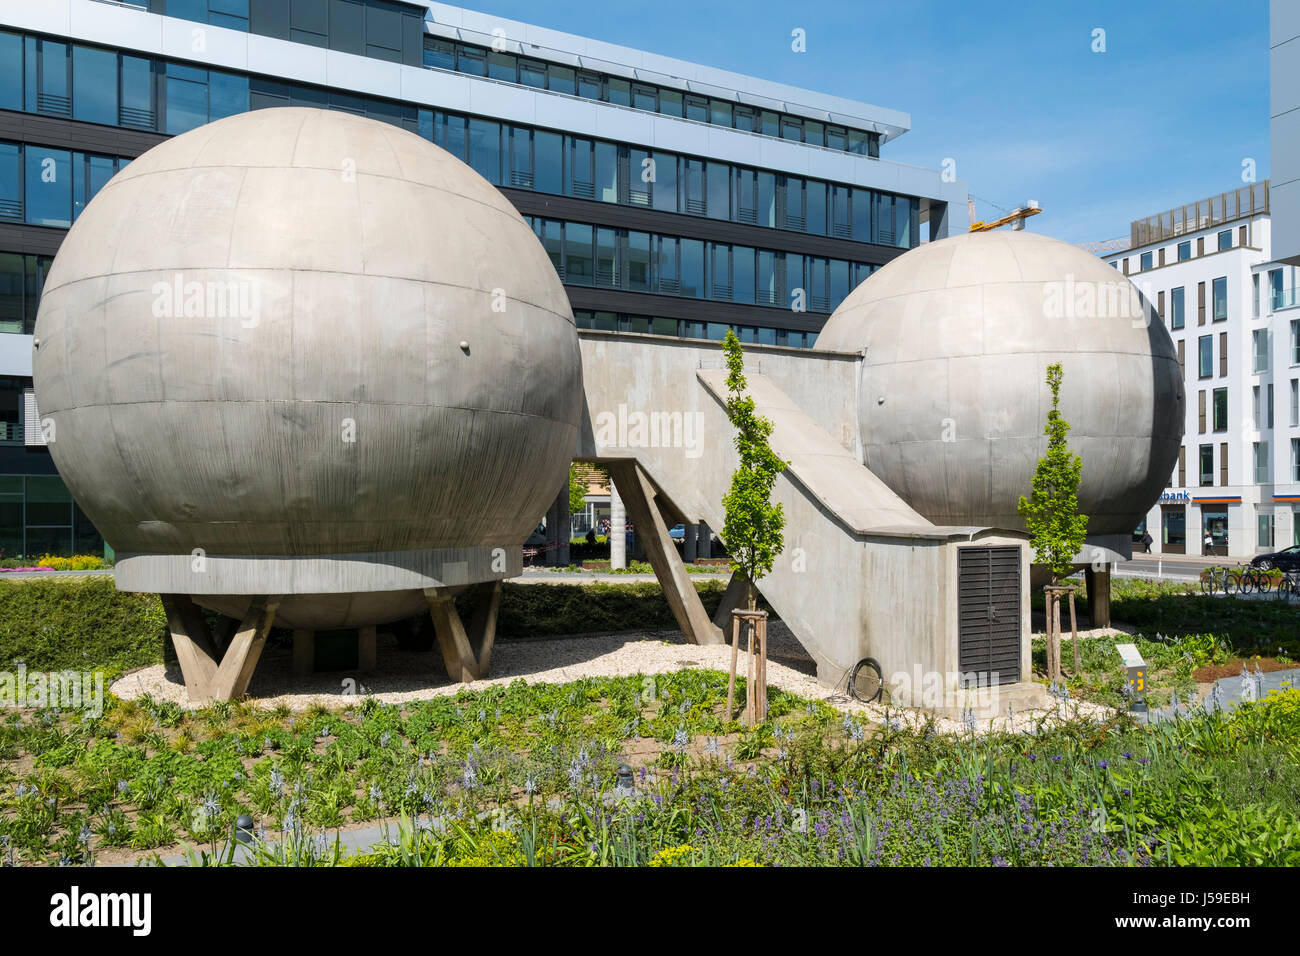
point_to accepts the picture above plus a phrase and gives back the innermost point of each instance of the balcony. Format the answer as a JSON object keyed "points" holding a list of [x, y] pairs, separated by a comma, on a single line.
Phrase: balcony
{"points": [[1285, 299]]}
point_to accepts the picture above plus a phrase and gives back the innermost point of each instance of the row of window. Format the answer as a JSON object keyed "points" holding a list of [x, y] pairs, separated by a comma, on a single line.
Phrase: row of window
{"points": [[21, 279], [1178, 304], [667, 265], [87, 83], [668, 101], [1183, 250], [50, 187], [1260, 471], [561, 164], [102, 86], [1260, 341], [682, 328], [374, 28]]}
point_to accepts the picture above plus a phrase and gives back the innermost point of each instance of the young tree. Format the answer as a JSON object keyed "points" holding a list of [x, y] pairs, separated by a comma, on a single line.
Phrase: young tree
{"points": [[1056, 528], [577, 490], [753, 526]]}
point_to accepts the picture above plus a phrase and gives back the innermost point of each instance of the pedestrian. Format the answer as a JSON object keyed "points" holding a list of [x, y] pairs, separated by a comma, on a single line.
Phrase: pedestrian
{"points": [[1209, 543], [1146, 541]]}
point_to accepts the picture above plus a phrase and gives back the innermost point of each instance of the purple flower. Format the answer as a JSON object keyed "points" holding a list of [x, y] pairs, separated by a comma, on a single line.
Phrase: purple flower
{"points": [[1102, 764]]}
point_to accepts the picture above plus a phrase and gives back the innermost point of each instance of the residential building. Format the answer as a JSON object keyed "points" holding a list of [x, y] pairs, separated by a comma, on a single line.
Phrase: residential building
{"points": [[1231, 309], [673, 198]]}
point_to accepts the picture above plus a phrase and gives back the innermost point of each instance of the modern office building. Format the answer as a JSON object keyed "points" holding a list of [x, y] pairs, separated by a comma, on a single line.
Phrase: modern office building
{"points": [[672, 198], [1284, 127], [1232, 310]]}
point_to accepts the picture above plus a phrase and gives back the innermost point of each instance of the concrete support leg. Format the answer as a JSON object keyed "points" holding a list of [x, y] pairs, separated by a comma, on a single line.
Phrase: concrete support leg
{"points": [[367, 649], [304, 652], [638, 493], [732, 598], [703, 546], [467, 654], [1098, 596], [205, 678], [688, 544], [617, 522]]}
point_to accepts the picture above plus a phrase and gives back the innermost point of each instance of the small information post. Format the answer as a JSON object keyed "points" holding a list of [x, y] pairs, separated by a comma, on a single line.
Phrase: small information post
{"points": [[1137, 676]]}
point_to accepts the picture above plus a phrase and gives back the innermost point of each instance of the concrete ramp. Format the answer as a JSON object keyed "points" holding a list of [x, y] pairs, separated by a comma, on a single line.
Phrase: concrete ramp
{"points": [[862, 573]]}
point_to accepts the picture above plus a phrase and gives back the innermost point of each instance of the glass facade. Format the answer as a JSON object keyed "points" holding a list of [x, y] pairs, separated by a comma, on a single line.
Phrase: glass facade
{"points": [[105, 86], [38, 517], [21, 279], [668, 265], [714, 331], [445, 54], [43, 186]]}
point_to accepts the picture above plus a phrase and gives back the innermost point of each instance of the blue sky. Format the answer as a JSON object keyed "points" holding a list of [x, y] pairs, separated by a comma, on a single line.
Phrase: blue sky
{"points": [[1009, 89]]}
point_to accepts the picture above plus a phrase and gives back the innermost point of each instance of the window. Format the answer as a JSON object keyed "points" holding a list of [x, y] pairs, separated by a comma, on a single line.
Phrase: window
{"points": [[1184, 250], [718, 191], [502, 66], [309, 22], [1295, 472], [1220, 299], [816, 207], [485, 149], [663, 192], [1205, 354], [11, 71], [47, 84], [1254, 295], [1295, 402], [561, 79], [11, 177], [1207, 465], [692, 266], [1264, 526], [1260, 339], [1254, 406], [638, 261], [606, 172], [1295, 341], [89, 175], [548, 162], [440, 54], [578, 257], [94, 85], [1268, 405], [137, 108], [186, 98], [1145, 262], [532, 73], [1220, 409], [693, 187], [1225, 240], [719, 280], [1177, 317], [1275, 289], [670, 102], [742, 283], [48, 180], [619, 91], [1261, 462]]}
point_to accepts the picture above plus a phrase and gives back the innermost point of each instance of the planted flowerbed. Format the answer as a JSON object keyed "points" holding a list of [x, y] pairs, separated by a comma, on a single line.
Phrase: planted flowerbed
{"points": [[530, 774]]}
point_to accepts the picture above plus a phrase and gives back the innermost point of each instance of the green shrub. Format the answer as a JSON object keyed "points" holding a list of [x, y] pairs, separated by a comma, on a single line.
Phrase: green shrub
{"points": [[537, 610], [75, 623]]}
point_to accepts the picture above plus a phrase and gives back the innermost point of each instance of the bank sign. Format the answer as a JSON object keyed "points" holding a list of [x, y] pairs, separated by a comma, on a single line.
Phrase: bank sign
{"points": [[1175, 498]]}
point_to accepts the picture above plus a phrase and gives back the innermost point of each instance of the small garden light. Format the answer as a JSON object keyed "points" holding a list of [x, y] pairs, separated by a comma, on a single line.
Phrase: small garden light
{"points": [[624, 779], [244, 829]]}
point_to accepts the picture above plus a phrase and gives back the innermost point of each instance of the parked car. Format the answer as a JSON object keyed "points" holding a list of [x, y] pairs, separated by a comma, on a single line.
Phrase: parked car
{"points": [[1288, 559], [677, 532]]}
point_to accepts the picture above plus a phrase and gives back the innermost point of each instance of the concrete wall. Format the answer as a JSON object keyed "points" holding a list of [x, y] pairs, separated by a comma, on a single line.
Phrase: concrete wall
{"points": [[862, 574]]}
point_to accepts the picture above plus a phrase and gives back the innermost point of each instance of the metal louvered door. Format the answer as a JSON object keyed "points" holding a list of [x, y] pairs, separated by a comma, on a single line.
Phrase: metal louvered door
{"points": [[988, 623]]}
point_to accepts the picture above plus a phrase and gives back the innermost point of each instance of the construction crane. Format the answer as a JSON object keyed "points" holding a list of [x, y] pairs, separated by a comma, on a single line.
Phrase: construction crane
{"points": [[1016, 217]]}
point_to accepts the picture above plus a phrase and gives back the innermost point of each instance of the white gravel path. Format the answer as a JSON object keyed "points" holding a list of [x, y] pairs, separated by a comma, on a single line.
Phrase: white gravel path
{"points": [[405, 676]]}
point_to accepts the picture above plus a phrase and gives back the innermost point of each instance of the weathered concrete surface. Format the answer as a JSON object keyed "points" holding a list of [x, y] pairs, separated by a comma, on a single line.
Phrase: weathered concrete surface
{"points": [[957, 337], [862, 573], [301, 337]]}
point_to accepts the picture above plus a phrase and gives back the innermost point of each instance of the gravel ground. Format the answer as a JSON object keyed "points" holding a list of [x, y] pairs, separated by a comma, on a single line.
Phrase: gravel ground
{"points": [[405, 676]]}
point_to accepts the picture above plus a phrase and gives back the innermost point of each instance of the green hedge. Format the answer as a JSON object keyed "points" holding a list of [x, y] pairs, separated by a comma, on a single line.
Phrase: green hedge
{"points": [[537, 610], [77, 623]]}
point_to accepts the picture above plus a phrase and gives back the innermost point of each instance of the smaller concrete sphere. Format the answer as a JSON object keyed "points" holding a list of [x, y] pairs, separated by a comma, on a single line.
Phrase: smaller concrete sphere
{"points": [[958, 335]]}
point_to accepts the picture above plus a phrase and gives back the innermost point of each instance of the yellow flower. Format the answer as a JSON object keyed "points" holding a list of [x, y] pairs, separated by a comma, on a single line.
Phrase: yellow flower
{"points": [[743, 861], [671, 855]]}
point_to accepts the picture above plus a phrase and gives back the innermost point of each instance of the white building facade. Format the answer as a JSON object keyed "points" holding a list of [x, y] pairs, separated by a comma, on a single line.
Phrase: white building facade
{"points": [[1232, 311]]}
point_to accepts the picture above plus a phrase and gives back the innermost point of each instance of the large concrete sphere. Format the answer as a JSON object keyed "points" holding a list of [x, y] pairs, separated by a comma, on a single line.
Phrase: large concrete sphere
{"points": [[958, 335], [312, 339]]}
